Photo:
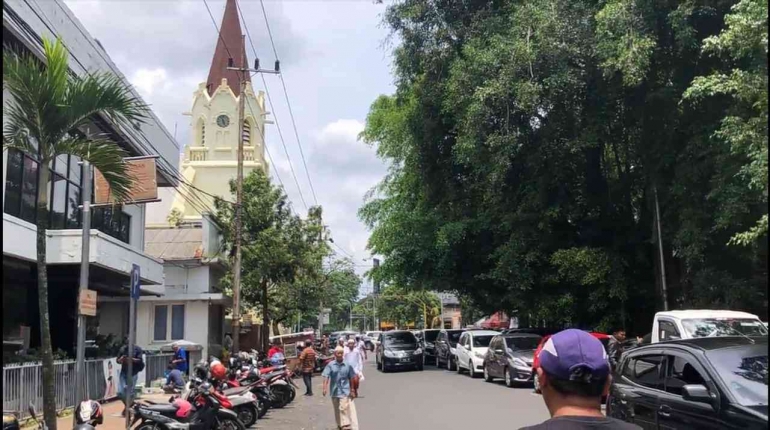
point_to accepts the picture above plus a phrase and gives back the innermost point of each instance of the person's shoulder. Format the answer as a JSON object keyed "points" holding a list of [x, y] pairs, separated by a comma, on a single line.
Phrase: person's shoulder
{"points": [[567, 423]]}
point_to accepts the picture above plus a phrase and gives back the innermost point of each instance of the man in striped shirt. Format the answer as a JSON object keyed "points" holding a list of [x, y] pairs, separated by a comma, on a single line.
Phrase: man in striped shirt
{"points": [[307, 365]]}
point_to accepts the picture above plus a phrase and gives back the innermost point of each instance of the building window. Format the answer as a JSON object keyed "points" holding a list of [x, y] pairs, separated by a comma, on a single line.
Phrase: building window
{"points": [[163, 329], [246, 134], [202, 131], [161, 318], [64, 196]]}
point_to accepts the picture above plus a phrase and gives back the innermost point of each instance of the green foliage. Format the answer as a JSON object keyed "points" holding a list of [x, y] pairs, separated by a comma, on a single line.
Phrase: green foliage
{"points": [[525, 140], [284, 254]]}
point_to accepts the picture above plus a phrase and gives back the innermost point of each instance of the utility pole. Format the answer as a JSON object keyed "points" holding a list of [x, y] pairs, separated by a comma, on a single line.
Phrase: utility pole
{"points": [[80, 365], [239, 190], [660, 250]]}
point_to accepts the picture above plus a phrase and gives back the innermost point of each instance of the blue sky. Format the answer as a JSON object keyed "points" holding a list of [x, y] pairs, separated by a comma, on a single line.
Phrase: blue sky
{"points": [[335, 61]]}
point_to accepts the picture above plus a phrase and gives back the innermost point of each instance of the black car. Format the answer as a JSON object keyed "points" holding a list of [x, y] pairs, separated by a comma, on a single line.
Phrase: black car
{"points": [[445, 345], [428, 339], [510, 357], [398, 349], [701, 383]]}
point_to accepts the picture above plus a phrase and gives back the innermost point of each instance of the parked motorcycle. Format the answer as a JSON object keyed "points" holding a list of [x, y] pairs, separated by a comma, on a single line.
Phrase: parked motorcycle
{"points": [[40, 423], [207, 410], [88, 415]]}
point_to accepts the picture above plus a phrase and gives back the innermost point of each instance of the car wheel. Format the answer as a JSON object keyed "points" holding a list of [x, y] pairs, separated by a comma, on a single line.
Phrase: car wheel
{"points": [[487, 376], [420, 367], [508, 377], [537, 384], [471, 370]]}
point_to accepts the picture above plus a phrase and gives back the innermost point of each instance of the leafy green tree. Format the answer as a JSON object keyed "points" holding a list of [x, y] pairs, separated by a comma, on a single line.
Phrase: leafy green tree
{"points": [[46, 117], [529, 142]]}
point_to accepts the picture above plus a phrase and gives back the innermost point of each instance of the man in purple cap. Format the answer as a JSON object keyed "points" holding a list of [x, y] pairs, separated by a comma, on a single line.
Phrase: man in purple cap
{"points": [[574, 374]]}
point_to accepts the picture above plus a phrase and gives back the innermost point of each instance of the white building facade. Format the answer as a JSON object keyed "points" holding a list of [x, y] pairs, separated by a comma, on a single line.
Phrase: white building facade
{"points": [[117, 236]]}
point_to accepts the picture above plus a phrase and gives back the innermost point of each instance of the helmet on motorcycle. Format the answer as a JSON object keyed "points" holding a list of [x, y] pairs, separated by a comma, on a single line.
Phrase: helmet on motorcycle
{"points": [[89, 412], [218, 371], [201, 370]]}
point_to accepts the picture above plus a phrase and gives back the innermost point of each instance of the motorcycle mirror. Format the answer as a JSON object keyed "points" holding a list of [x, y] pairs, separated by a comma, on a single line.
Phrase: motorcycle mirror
{"points": [[32, 412]]}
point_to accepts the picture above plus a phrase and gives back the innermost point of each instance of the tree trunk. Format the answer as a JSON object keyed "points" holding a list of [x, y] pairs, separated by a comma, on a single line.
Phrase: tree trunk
{"points": [[46, 352], [265, 318]]}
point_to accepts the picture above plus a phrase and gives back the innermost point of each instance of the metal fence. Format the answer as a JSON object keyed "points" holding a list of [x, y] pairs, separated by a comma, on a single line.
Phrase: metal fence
{"points": [[23, 383]]}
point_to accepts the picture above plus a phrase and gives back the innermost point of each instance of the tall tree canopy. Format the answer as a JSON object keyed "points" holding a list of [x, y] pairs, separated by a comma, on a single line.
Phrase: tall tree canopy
{"points": [[528, 139]]}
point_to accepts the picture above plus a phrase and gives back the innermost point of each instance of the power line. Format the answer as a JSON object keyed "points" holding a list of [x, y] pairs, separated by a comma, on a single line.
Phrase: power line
{"points": [[275, 116], [288, 102], [280, 133], [195, 201]]}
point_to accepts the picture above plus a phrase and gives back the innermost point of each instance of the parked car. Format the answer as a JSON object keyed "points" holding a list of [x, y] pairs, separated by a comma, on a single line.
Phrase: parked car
{"points": [[446, 342], [702, 383], [471, 350], [688, 324], [398, 349], [510, 357], [370, 339], [428, 339], [604, 338]]}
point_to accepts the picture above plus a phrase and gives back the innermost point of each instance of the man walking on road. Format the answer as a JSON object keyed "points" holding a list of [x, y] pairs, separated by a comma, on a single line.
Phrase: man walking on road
{"points": [[574, 374], [137, 366], [307, 365], [342, 380]]}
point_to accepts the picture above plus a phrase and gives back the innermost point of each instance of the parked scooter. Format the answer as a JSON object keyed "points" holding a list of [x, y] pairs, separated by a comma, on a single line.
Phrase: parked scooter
{"points": [[88, 415], [207, 410]]}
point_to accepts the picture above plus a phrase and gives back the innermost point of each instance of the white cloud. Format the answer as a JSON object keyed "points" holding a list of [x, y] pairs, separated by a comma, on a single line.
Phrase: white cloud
{"points": [[331, 60], [146, 80]]}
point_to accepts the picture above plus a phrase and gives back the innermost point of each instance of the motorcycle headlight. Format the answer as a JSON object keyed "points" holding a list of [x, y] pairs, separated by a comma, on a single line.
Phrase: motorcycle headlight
{"points": [[389, 354], [418, 351]]}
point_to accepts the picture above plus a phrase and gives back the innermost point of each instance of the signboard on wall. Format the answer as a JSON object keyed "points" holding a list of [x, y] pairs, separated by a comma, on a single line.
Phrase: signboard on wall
{"points": [[144, 188], [87, 303]]}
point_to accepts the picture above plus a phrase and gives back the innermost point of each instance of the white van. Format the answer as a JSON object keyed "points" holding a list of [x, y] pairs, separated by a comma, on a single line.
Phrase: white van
{"points": [[688, 324]]}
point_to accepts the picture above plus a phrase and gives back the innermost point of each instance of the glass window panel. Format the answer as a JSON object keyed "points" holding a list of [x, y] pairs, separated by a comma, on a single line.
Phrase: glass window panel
{"points": [[58, 202], [29, 190], [177, 322], [117, 217], [12, 205], [161, 320], [73, 211], [125, 227], [75, 170], [97, 218], [107, 221], [61, 167]]}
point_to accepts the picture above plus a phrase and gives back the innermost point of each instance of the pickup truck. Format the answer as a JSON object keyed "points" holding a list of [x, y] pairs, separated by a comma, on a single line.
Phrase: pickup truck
{"points": [[688, 324]]}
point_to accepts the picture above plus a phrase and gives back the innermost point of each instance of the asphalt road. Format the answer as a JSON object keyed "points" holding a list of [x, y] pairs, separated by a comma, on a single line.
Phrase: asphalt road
{"points": [[439, 399]]}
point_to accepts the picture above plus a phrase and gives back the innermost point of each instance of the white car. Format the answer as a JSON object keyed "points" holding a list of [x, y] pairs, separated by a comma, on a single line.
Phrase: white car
{"points": [[688, 324], [471, 350]]}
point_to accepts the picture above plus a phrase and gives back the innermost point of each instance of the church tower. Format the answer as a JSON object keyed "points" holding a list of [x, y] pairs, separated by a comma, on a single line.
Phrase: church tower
{"points": [[210, 157]]}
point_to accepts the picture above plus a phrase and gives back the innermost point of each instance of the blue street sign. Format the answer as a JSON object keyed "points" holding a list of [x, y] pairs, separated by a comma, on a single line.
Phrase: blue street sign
{"points": [[135, 282]]}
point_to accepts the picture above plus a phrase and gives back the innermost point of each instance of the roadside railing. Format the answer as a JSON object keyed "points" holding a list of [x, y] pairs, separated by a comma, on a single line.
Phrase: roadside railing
{"points": [[23, 383]]}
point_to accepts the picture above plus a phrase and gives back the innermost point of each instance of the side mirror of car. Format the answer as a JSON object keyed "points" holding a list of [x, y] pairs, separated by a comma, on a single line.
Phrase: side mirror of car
{"points": [[697, 393]]}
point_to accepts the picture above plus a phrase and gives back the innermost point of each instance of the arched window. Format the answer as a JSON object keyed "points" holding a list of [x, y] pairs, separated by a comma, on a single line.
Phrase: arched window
{"points": [[246, 133], [202, 132]]}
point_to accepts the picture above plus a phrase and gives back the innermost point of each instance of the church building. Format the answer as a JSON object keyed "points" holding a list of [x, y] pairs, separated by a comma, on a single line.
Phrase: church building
{"points": [[179, 231]]}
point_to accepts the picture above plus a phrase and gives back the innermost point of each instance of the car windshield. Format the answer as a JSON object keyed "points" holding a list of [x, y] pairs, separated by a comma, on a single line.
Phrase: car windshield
{"points": [[522, 343], [400, 338], [430, 336], [454, 336], [744, 371], [711, 327], [482, 341]]}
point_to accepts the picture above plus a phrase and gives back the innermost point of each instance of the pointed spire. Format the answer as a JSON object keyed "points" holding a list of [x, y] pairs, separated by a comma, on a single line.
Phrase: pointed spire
{"points": [[230, 42]]}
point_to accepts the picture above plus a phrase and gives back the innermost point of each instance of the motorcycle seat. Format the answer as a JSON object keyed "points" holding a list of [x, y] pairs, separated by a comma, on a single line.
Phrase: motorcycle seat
{"points": [[236, 391], [168, 410]]}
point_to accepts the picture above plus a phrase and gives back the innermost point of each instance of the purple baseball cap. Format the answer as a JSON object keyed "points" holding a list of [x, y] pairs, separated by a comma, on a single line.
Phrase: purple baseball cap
{"points": [[574, 355]]}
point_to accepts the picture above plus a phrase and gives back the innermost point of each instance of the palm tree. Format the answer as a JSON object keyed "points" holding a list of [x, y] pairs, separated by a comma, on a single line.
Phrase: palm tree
{"points": [[50, 108]]}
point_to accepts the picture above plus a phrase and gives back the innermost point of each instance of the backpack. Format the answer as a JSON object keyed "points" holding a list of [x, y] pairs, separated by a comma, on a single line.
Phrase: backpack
{"points": [[138, 367]]}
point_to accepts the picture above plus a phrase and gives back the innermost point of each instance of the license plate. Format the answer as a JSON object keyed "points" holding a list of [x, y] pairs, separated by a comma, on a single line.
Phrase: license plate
{"points": [[405, 360]]}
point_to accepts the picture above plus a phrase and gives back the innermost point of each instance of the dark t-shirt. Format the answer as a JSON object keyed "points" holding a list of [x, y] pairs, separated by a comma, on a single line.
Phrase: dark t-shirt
{"points": [[137, 366], [570, 423]]}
